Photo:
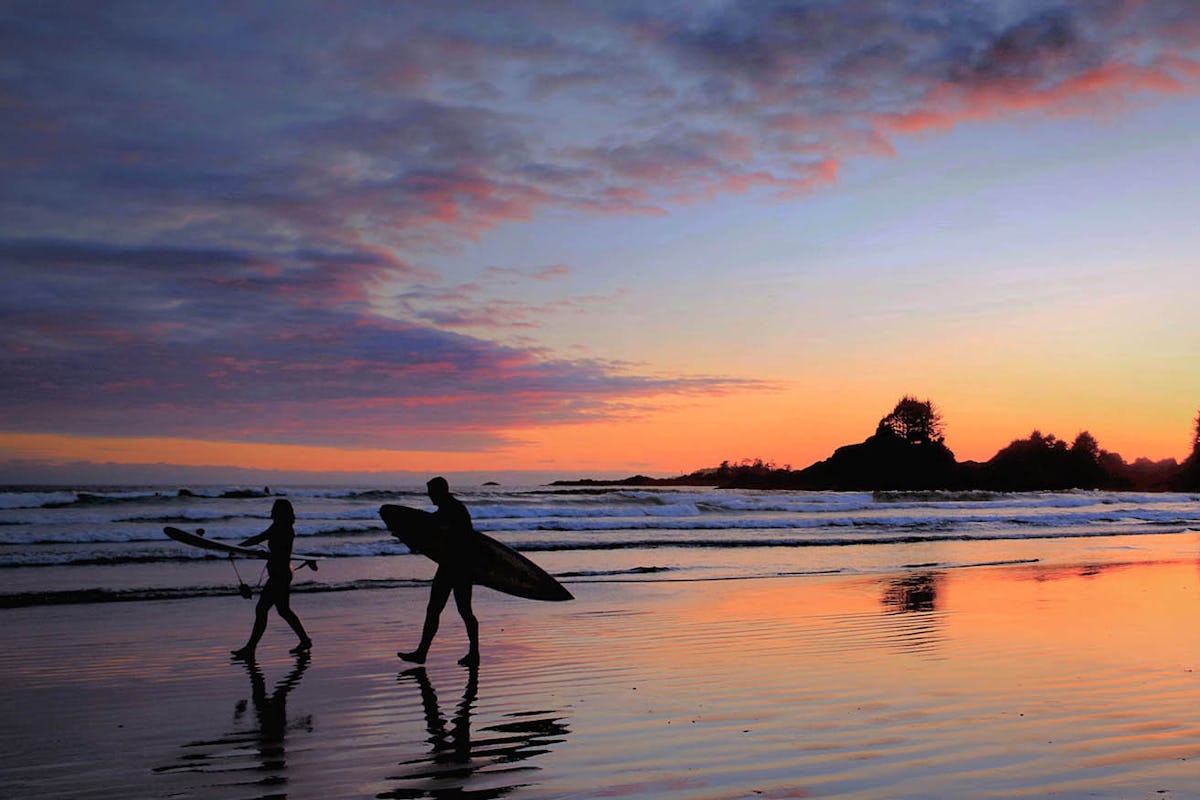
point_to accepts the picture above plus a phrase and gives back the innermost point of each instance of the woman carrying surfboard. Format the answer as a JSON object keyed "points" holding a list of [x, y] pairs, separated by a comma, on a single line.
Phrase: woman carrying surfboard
{"points": [[453, 575], [278, 588]]}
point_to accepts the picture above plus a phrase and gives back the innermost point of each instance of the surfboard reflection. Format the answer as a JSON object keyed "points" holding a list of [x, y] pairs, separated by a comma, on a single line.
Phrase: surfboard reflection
{"points": [[485, 767], [264, 741]]}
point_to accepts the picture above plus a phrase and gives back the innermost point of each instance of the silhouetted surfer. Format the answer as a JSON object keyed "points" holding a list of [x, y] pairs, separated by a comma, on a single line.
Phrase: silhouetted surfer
{"points": [[454, 520], [277, 591]]}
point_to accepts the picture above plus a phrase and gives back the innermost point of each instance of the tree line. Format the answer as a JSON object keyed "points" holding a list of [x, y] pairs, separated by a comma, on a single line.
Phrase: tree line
{"points": [[908, 452]]}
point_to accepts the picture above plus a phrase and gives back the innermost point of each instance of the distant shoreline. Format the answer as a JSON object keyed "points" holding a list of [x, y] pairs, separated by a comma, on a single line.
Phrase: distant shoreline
{"points": [[637, 480]]}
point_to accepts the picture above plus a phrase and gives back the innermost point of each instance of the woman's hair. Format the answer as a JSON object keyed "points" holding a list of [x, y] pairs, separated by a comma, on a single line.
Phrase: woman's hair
{"points": [[282, 512]]}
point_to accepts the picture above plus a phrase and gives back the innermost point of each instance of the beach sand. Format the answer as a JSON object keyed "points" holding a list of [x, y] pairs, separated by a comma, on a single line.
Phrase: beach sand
{"points": [[1030, 680]]}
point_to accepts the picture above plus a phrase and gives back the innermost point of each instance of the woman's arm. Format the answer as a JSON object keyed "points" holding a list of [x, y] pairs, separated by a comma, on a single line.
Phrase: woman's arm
{"points": [[253, 540]]}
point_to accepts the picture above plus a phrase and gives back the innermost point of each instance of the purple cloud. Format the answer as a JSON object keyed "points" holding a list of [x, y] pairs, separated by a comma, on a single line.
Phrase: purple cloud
{"points": [[222, 344], [322, 377]]}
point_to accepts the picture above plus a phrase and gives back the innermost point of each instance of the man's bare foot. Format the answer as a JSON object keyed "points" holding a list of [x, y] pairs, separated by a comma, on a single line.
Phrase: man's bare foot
{"points": [[469, 660], [416, 657], [245, 653]]}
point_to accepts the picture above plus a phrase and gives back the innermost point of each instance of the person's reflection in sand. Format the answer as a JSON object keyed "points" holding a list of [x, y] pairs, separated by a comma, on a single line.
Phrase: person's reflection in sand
{"points": [[456, 760], [270, 710], [453, 744], [259, 751]]}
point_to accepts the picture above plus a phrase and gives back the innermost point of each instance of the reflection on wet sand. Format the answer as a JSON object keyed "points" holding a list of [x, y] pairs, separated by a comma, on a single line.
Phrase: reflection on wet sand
{"points": [[913, 599], [915, 592], [485, 767], [261, 749]]}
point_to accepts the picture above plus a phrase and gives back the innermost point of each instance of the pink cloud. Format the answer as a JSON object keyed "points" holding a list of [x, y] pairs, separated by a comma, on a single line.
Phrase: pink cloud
{"points": [[1098, 89]]}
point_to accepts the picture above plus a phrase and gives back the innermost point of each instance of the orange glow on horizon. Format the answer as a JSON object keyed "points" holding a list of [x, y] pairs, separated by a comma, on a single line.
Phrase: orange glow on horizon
{"points": [[793, 428], [62, 449]]}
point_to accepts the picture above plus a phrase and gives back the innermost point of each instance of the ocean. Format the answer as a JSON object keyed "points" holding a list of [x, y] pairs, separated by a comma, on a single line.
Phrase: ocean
{"points": [[96, 544]]}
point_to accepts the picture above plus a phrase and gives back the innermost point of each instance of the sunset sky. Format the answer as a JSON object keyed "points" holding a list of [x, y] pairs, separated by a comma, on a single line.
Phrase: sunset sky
{"points": [[590, 238]]}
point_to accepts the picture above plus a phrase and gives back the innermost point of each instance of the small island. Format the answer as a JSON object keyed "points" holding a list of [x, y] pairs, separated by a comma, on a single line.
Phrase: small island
{"points": [[907, 452]]}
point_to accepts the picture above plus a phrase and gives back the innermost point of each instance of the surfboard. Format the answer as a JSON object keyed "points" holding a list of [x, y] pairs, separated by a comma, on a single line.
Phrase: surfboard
{"points": [[198, 540], [493, 564]]}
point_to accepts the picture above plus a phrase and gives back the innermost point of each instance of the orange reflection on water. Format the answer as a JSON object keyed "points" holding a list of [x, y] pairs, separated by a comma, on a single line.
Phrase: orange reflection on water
{"points": [[1030, 679], [954, 626]]}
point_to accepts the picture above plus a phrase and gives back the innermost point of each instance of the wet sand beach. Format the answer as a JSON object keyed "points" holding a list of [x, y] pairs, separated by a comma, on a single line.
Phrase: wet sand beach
{"points": [[1024, 680]]}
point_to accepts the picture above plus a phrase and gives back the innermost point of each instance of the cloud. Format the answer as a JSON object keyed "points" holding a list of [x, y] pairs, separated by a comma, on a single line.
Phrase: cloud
{"points": [[226, 344], [472, 307], [419, 123], [328, 378], [146, 289], [215, 223]]}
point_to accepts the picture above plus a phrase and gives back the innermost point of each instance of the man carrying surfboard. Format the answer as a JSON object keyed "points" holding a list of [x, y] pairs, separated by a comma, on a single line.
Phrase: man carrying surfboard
{"points": [[278, 588], [453, 575]]}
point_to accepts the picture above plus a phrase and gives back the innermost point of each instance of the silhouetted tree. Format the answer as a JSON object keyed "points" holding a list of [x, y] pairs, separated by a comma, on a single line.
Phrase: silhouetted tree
{"points": [[1149, 476], [1046, 462], [915, 421], [907, 451], [1086, 447], [753, 474], [1189, 473], [1085, 465]]}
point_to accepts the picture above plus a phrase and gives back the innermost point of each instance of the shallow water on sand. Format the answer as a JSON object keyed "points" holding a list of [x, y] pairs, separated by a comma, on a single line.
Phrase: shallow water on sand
{"points": [[1072, 679]]}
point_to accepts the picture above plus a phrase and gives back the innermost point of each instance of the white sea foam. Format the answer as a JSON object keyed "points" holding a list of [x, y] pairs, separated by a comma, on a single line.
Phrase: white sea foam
{"points": [[87, 526]]}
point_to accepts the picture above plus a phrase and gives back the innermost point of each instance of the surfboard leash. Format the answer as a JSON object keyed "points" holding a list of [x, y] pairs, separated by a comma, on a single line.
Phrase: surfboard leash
{"points": [[244, 588]]}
